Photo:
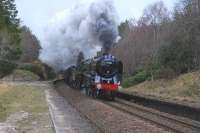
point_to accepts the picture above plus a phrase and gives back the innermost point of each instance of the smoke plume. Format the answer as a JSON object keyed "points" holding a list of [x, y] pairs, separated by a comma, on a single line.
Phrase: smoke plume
{"points": [[85, 28]]}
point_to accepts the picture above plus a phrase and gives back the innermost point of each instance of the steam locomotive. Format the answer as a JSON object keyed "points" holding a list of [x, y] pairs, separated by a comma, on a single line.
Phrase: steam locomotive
{"points": [[99, 77]]}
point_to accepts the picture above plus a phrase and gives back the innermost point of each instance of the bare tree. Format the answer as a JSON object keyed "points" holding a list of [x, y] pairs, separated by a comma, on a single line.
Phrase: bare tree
{"points": [[30, 46], [142, 38]]}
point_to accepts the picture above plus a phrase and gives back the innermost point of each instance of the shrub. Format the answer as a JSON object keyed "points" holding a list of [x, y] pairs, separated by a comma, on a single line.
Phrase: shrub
{"points": [[34, 68], [139, 77], [42, 70], [127, 82], [23, 75], [6, 67]]}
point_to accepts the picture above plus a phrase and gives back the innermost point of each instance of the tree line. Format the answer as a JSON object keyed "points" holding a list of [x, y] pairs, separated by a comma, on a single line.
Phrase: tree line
{"points": [[17, 43], [161, 44]]}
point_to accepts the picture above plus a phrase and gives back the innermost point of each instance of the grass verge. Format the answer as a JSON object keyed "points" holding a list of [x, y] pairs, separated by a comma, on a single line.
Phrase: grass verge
{"points": [[15, 98]]}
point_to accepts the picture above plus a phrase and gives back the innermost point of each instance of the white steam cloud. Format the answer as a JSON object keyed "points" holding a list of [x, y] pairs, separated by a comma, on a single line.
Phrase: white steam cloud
{"points": [[85, 28]]}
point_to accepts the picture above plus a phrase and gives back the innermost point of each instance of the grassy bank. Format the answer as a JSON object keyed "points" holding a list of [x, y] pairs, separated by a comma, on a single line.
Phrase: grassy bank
{"points": [[22, 75], [185, 88]]}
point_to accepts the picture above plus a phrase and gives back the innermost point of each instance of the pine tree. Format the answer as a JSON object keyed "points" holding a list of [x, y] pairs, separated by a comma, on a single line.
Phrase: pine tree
{"points": [[8, 14], [9, 36]]}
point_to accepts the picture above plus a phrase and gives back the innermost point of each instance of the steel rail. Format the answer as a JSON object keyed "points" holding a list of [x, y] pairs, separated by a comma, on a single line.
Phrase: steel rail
{"points": [[168, 121]]}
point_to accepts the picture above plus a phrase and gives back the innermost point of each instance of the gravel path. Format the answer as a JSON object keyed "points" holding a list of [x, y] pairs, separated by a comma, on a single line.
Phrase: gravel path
{"points": [[105, 117]]}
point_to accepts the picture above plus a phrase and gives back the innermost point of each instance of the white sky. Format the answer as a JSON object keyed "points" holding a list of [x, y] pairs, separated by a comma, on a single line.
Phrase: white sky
{"points": [[37, 13]]}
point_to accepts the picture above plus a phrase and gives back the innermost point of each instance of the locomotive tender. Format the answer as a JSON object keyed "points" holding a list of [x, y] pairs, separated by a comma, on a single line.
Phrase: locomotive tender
{"points": [[97, 77]]}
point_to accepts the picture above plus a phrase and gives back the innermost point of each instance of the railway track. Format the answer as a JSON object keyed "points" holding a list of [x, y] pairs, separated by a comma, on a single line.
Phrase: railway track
{"points": [[170, 122], [176, 108]]}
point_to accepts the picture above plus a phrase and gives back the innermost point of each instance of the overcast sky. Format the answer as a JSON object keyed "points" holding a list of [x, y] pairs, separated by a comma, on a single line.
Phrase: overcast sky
{"points": [[37, 13]]}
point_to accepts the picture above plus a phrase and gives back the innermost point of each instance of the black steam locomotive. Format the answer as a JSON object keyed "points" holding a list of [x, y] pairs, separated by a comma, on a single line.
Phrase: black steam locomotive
{"points": [[97, 77]]}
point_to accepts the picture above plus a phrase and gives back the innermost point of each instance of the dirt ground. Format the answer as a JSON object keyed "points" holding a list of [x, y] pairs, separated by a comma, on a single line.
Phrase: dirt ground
{"points": [[23, 108]]}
